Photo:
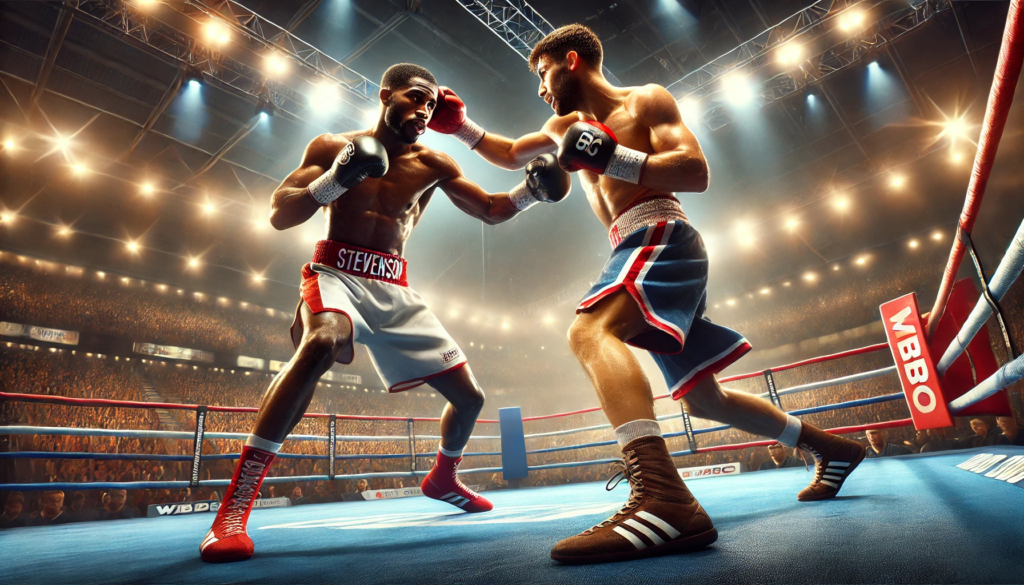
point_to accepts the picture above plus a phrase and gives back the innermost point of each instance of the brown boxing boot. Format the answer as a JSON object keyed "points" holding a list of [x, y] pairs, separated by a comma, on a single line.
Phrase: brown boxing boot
{"points": [[660, 517], [835, 458]]}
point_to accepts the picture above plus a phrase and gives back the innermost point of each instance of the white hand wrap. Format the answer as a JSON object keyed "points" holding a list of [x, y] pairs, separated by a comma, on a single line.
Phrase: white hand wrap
{"points": [[470, 133], [521, 197], [325, 189], [626, 164]]}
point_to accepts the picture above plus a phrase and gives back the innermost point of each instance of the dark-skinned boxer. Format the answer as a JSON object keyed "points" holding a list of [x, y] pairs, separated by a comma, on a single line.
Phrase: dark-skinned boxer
{"points": [[373, 187], [632, 151]]}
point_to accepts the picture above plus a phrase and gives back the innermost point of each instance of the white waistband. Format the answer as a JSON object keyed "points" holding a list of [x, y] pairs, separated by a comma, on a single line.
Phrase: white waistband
{"points": [[648, 212]]}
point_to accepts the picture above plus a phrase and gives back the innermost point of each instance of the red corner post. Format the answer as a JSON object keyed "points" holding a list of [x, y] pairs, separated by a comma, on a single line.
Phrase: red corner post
{"points": [[906, 335]]}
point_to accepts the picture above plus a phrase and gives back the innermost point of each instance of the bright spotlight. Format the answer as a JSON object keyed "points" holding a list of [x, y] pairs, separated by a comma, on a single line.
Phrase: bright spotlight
{"points": [[79, 169], [147, 189], [766, 291], [193, 263], [861, 261], [737, 89], [132, 246], [841, 203], [9, 144], [689, 107], [956, 128], [810, 276], [790, 54], [276, 64], [897, 181], [194, 84], [835, 268], [956, 157], [63, 231], [937, 236], [548, 319], [791, 224], [208, 208], [731, 302], [258, 277], [146, 3], [216, 32], [7, 217], [852, 19], [913, 244], [258, 224]]}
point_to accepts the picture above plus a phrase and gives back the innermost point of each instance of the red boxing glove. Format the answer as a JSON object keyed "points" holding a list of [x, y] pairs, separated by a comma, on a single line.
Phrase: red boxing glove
{"points": [[450, 118], [450, 113]]}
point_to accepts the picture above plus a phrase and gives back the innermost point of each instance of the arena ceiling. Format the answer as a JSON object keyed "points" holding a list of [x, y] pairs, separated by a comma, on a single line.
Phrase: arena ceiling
{"points": [[113, 145]]}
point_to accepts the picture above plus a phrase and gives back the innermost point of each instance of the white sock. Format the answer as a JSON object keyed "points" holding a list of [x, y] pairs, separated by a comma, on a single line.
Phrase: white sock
{"points": [[636, 429], [262, 444], [452, 454], [791, 434]]}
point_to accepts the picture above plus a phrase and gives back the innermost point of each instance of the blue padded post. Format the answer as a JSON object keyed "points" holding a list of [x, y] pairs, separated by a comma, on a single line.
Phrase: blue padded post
{"points": [[513, 444]]}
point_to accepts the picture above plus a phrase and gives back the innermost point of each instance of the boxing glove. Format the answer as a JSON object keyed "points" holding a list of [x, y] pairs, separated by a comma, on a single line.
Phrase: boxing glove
{"points": [[449, 117], [363, 157], [591, 146], [545, 181]]}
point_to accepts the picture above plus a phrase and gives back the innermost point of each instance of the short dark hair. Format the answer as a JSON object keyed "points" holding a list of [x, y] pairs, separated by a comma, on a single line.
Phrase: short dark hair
{"points": [[571, 37], [400, 75]]}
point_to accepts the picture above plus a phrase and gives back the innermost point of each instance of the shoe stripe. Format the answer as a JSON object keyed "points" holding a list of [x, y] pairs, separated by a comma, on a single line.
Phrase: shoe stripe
{"points": [[210, 539], [645, 531], [835, 477], [449, 495], [826, 482], [665, 526], [839, 463], [639, 544]]}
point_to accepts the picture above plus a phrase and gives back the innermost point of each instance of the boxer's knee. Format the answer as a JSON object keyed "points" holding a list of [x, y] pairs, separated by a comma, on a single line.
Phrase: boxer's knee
{"points": [[324, 345], [584, 335], [705, 399], [461, 389]]}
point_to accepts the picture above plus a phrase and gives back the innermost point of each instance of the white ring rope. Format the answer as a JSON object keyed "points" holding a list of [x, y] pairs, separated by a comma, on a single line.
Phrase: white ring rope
{"points": [[1006, 273], [188, 435], [833, 382], [1004, 376]]}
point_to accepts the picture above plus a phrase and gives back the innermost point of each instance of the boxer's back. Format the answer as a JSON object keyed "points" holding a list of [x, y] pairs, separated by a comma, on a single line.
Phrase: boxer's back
{"points": [[609, 196], [380, 214]]}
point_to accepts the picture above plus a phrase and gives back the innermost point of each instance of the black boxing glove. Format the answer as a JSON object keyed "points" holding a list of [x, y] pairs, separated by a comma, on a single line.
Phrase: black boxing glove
{"points": [[592, 146], [545, 181], [363, 157]]}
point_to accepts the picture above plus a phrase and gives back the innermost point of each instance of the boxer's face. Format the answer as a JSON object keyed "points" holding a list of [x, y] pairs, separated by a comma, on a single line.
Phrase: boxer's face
{"points": [[559, 86], [408, 109]]}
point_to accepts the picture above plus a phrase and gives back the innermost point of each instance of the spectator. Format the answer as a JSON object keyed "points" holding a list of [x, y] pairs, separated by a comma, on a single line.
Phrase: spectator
{"points": [[297, 498], [778, 459], [879, 447], [362, 485], [52, 510], [1011, 432], [921, 438], [12, 516], [114, 508], [981, 437], [77, 507], [937, 441]]}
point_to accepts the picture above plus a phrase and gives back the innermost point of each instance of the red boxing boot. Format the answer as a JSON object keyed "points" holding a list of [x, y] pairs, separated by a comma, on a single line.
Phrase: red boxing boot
{"points": [[443, 483], [227, 540]]}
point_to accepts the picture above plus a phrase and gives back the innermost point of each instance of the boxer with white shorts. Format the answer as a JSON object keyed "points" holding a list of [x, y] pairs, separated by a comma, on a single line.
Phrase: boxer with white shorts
{"points": [[373, 187]]}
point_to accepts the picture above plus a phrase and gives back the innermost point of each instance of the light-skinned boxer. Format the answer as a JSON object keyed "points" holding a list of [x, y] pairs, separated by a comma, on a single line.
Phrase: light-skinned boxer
{"points": [[633, 151], [373, 187]]}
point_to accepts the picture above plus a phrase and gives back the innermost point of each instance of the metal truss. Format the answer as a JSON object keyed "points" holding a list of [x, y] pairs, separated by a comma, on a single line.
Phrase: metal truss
{"points": [[173, 31], [831, 60], [515, 22]]}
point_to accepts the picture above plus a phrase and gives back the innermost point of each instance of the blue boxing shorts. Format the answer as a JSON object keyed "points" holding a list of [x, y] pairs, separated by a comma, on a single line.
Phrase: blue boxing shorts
{"points": [[659, 258]]}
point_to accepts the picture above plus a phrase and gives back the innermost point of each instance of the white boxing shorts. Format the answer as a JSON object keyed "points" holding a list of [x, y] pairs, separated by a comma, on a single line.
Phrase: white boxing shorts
{"points": [[406, 342]]}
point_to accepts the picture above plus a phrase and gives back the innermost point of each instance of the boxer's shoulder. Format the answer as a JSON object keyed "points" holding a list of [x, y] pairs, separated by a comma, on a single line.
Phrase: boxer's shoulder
{"points": [[440, 162], [556, 125], [650, 101], [326, 147]]}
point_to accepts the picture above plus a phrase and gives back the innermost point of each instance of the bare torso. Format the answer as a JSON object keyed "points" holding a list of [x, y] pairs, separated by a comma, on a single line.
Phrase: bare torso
{"points": [[609, 197], [380, 214]]}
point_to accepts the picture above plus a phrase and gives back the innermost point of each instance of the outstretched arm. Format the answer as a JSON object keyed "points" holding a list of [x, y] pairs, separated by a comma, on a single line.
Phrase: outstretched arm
{"points": [[490, 208], [291, 205], [512, 154]]}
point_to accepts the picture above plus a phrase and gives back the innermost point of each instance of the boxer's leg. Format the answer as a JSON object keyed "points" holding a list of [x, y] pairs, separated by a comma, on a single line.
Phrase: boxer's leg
{"points": [[324, 337], [465, 399], [661, 515]]}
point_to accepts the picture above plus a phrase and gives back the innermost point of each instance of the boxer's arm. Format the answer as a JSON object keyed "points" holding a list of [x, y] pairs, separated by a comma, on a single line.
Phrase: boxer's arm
{"points": [[678, 164], [472, 198], [512, 154], [291, 205]]}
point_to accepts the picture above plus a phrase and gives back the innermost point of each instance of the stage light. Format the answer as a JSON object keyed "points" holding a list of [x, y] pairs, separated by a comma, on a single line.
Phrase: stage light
{"points": [[811, 100], [147, 189], [861, 261], [264, 108], [216, 32], [194, 84], [790, 54], [79, 169], [737, 89], [453, 314], [810, 276], [259, 224], [325, 96], [852, 19], [257, 277], [689, 108], [766, 291], [9, 145], [548, 319], [937, 236], [506, 325], [63, 231], [132, 246], [193, 263], [956, 127], [146, 3], [7, 217], [913, 244], [841, 203], [897, 181], [956, 157], [101, 275], [276, 64], [835, 268], [730, 302], [208, 208], [791, 224]]}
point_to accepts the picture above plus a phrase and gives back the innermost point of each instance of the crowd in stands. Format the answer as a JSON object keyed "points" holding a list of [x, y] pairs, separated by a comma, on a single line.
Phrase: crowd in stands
{"points": [[144, 311]]}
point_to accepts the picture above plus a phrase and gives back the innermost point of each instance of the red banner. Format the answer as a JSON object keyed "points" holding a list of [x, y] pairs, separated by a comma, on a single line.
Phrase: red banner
{"points": [[905, 332]]}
